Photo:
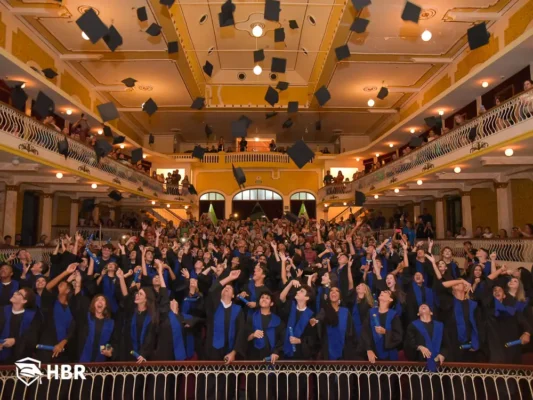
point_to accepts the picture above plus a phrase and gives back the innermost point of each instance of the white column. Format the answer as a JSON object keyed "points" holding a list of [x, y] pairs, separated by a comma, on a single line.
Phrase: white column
{"points": [[74, 212], [466, 211], [505, 205], [10, 214], [439, 210], [46, 217], [416, 212]]}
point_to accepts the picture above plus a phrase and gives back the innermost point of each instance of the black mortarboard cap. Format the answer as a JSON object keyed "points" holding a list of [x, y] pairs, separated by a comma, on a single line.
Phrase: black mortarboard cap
{"points": [[44, 105], [150, 107], [49, 73], [208, 131], [87, 205], [272, 10], [172, 47], [136, 155], [411, 12], [416, 142], [129, 82], [115, 195], [278, 65], [293, 24], [300, 153], [102, 148], [238, 173], [322, 95], [192, 190], [360, 4], [118, 139], [225, 17], [291, 217], [19, 98], [281, 86], [198, 152], [113, 39], [167, 3], [478, 36], [208, 68], [151, 139], [432, 121], [360, 199], [359, 25], [62, 147], [383, 92], [472, 134], [142, 14], [154, 29], [92, 25], [107, 111], [259, 55], [271, 114], [239, 128], [292, 107], [287, 124], [271, 96], [246, 119], [342, 52], [318, 125], [279, 35], [108, 132], [198, 103]]}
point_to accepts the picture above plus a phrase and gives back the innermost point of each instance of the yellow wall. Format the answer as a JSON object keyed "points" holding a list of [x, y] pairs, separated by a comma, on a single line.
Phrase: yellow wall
{"points": [[20, 203], [484, 208], [522, 192], [63, 211]]}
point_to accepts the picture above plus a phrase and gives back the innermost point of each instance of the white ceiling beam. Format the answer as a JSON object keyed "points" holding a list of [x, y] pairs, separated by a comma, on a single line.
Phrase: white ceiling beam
{"points": [[431, 60], [400, 89], [491, 161], [472, 16], [112, 88], [22, 167], [35, 11], [436, 186], [383, 110], [469, 176], [81, 57]]}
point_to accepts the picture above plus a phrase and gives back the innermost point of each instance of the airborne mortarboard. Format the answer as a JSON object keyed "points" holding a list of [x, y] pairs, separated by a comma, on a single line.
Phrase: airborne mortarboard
{"points": [[271, 96], [87, 205], [411, 12], [359, 25], [272, 10], [416, 142], [198, 103], [151, 139], [208, 131], [150, 107], [287, 124], [383, 92], [360, 4], [342, 52], [118, 139], [192, 190], [360, 199], [102, 148], [172, 47], [293, 24], [246, 119], [129, 82], [300, 153], [62, 147], [113, 39], [238, 173], [271, 114], [259, 55], [291, 217], [208, 68], [115, 195], [19, 98], [279, 35], [281, 86], [49, 73], [432, 121], [108, 132], [198, 152], [91, 24], [278, 65], [318, 125], [322, 95], [136, 155], [107, 111], [167, 3], [142, 14], [478, 36], [44, 105], [239, 128], [154, 29], [292, 107], [225, 17]]}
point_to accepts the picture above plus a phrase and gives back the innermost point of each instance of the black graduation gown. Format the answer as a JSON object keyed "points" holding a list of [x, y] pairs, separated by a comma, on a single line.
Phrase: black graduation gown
{"points": [[254, 353], [350, 339], [6, 291], [413, 339], [25, 343], [393, 336], [310, 341]]}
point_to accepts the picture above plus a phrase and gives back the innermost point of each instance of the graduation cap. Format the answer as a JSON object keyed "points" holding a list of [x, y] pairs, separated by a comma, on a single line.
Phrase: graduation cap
{"points": [[153, 29], [318, 125], [271, 114], [293, 24], [107, 111], [19, 98], [44, 105], [360, 199], [91, 24], [136, 155], [113, 39], [246, 119], [87, 205], [62, 147], [151, 139], [129, 82], [287, 124], [300, 153], [359, 25], [271, 96], [172, 47], [279, 35], [108, 132], [167, 3], [208, 68], [272, 10], [433, 122], [238, 173], [239, 128], [208, 131], [118, 139], [278, 65], [416, 142], [115, 195], [411, 12], [142, 14], [198, 103], [49, 73], [150, 107], [383, 92], [198, 152], [281, 86], [292, 107], [102, 148], [342, 52], [259, 55], [360, 4], [291, 217], [322, 95], [478, 36], [225, 17], [192, 190]]}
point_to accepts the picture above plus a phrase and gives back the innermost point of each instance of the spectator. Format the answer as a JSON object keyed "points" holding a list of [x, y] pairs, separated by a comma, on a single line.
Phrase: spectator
{"points": [[462, 234], [221, 144], [527, 232], [272, 146], [7, 243], [43, 241], [328, 179], [458, 120], [426, 216], [339, 178], [50, 121], [487, 233], [243, 145], [478, 233]]}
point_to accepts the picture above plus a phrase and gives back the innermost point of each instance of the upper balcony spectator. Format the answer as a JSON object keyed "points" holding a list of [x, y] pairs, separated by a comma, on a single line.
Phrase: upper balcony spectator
{"points": [[328, 179], [243, 145], [272, 146], [221, 145], [339, 178]]}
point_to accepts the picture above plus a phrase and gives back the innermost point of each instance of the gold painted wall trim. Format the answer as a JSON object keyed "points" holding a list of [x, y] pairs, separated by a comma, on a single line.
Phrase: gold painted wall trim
{"points": [[442, 84], [519, 22], [475, 57], [254, 95], [26, 50], [73, 87]]}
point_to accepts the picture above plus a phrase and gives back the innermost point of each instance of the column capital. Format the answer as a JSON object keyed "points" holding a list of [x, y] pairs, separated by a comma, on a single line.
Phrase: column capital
{"points": [[441, 199], [501, 185], [12, 188], [464, 193], [48, 195], [75, 201]]}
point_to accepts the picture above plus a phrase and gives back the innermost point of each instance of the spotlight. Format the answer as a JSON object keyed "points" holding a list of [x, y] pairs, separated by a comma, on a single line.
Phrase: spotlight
{"points": [[344, 203], [257, 139], [412, 130], [153, 202], [371, 103], [419, 182], [509, 152], [122, 146], [94, 185], [457, 170], [441, 112], [377, 155], [258, 70], [235, 215], [426, 36], [168, 205], [100, 131], [59, 175], [186, 207], [391, 145]]}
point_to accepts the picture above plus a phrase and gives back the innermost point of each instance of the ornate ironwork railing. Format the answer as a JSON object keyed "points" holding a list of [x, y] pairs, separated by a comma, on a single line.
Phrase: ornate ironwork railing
{"points": [[37, 254]]}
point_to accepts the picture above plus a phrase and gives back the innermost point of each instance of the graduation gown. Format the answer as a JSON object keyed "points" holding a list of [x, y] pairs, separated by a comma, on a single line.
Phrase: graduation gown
{"points": [[339, 341], [299, 322], [24, 328], [427, 334], [272, 342], [416, 296], [6, 292], [384, 346]]}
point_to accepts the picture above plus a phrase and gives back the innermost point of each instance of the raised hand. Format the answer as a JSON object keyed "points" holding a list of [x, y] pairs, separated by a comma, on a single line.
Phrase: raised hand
{"points": [[72, 267], [425, 351], [235, 274]]}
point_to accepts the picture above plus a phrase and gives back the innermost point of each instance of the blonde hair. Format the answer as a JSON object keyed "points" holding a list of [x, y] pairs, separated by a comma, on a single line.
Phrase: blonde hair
{"points": [[368, 296], [520, 292]]}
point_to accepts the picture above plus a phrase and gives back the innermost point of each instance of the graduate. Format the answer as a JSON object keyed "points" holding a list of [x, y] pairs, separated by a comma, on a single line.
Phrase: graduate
{"points": [[193, 306], [8, 286], [107, 283], [255, 288], [362, 303], [390, 283], [418, 294]]}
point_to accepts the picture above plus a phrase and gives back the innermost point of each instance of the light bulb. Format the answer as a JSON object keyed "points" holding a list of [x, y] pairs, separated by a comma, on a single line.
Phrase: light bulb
{"points": [[391, 145], [258, 70], [371, 103], [186, 207], [100, 131], [153, 202], [94, 185], [168, 205], [69, 111], [23, 85], [376, 196], [377, 155], [257, 139], [144, 155], [426, 36], [457, 170], [344, 203], [509, 152], [84, 36], [326, 205], [235, 215], [59, 175], [441, 112], [257, 31], [412, 130], [396, 190], [122, 146], [357, 159], [419, 182], [484, 84]]}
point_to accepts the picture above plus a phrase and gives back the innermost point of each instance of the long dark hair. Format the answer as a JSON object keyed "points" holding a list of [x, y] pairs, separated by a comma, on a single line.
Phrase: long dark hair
{"points": [[151, 306]]}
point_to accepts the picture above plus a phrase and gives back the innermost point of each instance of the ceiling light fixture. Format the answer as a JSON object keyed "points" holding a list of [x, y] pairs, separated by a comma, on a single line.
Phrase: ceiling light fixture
{"points": [[412, 130], [509, 152], [235, 215], [419, 182], [84, 36], [186, 207], [122, 146], [376, 196], [69, 111], [426, 36], [257, 31], [371, 103], [59, 175], [377, 155], [457, 170], [258, 70], [396, 190], [144, 155], [257, 139], [391, 145], [441, 112], [484, 84], [94, 186], [23, 85], [168, 205], [344, 203], [357, 159], [100, 131], [153, 202]]}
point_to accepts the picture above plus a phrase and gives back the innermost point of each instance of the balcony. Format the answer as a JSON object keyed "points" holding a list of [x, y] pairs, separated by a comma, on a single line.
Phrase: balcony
{"points": [[225, 160], [337, 193]]}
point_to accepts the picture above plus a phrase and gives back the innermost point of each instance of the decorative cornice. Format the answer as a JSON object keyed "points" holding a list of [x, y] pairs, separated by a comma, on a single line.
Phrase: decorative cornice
{"points": [[12, 188], [75, 201], [48, 195], [465, 194], [501, 185]]}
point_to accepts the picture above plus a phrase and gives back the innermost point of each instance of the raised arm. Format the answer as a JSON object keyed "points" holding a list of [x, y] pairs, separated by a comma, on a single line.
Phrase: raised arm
{"points": [[430, 257], [122, 281], [287, 289], [318, 235], [350, 275], [275, 250], [54, 282]]}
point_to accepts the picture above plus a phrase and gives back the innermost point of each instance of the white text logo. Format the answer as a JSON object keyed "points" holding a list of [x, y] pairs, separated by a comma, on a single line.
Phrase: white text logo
{"points": [[29, 370]]}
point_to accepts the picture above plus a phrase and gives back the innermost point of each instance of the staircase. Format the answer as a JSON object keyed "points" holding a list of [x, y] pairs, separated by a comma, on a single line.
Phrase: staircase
{"points": [[164, 215]]}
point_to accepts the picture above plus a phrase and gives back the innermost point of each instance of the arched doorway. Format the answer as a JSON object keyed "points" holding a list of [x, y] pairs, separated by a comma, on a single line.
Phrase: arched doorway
{"points": [[218, 201], [305, 198], [250, 201]]}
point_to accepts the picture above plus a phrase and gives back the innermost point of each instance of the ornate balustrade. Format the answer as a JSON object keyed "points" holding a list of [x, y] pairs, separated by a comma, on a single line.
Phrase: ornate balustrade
{"points": [[37, 254]]}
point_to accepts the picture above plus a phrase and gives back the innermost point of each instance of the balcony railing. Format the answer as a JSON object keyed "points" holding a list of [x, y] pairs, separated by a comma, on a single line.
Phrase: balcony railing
{"points": [[34, 136], [336, 192], [512, 250], [235, 158], [37, 254], [514, 111], [285, 380]]}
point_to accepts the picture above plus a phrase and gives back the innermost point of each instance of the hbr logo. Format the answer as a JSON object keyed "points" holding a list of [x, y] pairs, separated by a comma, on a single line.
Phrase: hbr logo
{"points": [[29, 370]]}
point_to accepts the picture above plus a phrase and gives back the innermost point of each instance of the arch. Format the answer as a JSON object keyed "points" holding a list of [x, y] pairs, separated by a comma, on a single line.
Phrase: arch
{"points": [[248, 202], [302, 195], [257, 194], [215, 198], [212, 195], [305, 198]]}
